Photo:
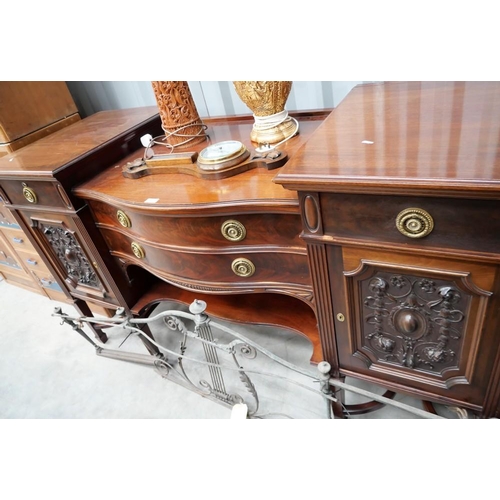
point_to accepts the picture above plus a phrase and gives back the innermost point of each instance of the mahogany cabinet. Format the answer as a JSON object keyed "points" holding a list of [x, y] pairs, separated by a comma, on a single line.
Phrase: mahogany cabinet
{"points": [[400, 202], [28, 112], [35, 186], [378, 240]]}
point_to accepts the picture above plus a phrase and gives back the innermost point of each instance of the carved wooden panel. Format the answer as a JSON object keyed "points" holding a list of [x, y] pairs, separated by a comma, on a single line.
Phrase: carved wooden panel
{"points": [[67, 254], [70, 255], [421, 324], [413, 321]]}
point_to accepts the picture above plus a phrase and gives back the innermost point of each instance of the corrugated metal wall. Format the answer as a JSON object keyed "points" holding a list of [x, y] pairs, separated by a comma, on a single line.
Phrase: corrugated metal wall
{"points": [[212, 98]]}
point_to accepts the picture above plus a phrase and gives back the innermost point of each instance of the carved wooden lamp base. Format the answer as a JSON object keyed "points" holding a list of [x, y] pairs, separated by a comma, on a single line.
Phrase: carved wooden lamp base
{"points": [[179, 117]]}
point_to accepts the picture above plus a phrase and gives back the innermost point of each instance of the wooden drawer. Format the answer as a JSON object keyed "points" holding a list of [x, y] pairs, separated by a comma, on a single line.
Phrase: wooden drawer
{"points": [[465, 224], [17, 239], [269, 267], [36, 194], [21, 280], [6, 217], [31, 260], [8, 257], [45, 279], [243, 229]]}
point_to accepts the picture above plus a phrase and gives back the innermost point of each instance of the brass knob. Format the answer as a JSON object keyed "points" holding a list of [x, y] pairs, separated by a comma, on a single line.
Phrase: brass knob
{"points": [[29, 194], [123, 219], [243, 267], [233, 230], [138, 250], [414, 223]]}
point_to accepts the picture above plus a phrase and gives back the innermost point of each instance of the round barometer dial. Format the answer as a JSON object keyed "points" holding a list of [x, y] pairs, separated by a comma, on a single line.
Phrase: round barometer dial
{"points": [[222, 155]]}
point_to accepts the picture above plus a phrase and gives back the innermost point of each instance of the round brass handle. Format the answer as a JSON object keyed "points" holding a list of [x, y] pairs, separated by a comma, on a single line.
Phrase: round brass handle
{"points": [[414, 223], [29, 194], [233, 230], [243, 267], [123, 219], [138, 250]]}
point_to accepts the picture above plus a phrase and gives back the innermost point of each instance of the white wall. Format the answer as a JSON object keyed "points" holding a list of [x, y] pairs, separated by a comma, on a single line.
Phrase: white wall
{"points": [[212, 98]]}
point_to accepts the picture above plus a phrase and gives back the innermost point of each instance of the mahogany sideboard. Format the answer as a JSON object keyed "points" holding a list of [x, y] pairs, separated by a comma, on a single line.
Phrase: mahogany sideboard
{"points": [[377, 240]]}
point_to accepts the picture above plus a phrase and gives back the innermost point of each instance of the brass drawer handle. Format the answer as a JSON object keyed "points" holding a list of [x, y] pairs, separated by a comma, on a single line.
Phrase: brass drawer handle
{"points": [[123, 219], [138, 250], [17, 240], [243, 267], [29, 194], [31, 262], [233, 230], [414, 223], [46, 282]]}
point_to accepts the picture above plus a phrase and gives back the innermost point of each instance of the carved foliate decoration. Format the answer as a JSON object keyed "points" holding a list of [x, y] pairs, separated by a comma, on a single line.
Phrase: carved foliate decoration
{"points": [[71, 255], [414, 322], [264, 98], [179, 116], [267, 101]]}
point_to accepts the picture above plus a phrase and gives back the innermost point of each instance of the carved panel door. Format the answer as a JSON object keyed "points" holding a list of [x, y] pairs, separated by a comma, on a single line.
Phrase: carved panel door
{"points": [[416, 321], [68, 248]]}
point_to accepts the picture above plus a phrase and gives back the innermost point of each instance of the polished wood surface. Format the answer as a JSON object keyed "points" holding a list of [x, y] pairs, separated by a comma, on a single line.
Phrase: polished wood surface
{"points": [[26, 107], [406, 137], [417, 315], [321, 230], [9, 147], [181, 193], [60, 149]]}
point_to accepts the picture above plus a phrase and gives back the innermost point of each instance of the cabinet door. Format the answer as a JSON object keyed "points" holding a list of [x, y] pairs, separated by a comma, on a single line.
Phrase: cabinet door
{"points": [[68, 248], [417, 322]]}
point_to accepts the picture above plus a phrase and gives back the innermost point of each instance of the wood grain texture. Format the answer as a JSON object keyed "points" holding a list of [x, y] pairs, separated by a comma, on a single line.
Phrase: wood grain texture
{"points": [[57, 151], [472, 225], [26, 107], [203, 233], [426, 138], [251, 191]]}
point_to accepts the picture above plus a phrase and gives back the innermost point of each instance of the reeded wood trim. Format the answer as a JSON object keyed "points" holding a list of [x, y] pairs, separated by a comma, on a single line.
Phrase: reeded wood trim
{"points": [[322, 294]]}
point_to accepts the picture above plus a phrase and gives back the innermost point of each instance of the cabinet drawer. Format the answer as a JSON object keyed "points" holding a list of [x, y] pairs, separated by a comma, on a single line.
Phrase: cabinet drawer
{"points": [[45, 279], [214, 231], [17, 239], [31, 260], [458, 224], [21, 280], [228, 267], [36, 194]]}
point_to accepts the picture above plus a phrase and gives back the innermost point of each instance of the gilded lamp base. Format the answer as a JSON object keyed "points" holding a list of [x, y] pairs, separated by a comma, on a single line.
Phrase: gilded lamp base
{"points": [[275, 134]]}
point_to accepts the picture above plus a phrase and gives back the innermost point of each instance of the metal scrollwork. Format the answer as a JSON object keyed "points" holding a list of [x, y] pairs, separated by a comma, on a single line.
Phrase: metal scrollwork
{"points": [[247, 351]]}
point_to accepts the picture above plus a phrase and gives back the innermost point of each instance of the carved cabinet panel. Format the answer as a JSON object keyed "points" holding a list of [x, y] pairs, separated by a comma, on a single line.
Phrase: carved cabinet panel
{"points": [[70, 254], [415, 320]]}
